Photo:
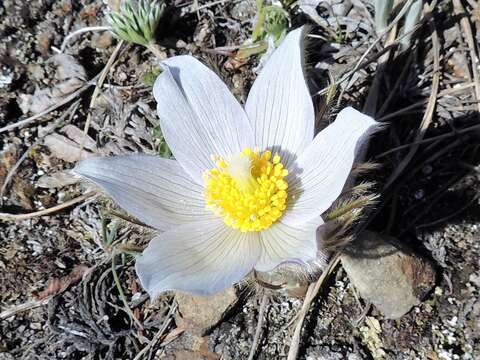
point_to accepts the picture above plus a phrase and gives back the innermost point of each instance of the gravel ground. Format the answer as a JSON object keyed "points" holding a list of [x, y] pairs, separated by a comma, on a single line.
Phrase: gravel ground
{"points": [[57, 280]]}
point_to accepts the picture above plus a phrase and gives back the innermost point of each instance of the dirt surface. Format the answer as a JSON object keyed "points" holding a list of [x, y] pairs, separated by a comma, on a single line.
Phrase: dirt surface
{"points": [[59, 294]]}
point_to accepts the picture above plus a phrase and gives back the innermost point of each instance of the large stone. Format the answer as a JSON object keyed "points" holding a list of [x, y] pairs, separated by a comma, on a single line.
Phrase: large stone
{"points": [[190, 347], [199, 314], [391, 277]]}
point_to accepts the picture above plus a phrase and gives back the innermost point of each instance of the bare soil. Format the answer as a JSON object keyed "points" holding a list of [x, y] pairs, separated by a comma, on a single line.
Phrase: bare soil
{"points": [[431, 205]]}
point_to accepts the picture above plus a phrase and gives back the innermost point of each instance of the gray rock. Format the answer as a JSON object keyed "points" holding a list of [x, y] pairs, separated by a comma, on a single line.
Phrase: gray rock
{"points": [[391, 278], [199, 314]]}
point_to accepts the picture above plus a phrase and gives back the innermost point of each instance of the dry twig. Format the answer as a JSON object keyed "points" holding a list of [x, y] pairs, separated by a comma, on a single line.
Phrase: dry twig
{"points": [[258, 330], [371, 47], [71, 110], [66, 204], [160, 332], [32, 119], [81, 31], [24, 307], [427, 118], [468, 34], [312, 292], [96, 92], [430, 139], [55, 287]]}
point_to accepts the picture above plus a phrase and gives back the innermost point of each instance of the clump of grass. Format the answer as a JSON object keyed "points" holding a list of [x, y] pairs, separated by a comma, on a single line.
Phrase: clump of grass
{"points": [[137, 24]]}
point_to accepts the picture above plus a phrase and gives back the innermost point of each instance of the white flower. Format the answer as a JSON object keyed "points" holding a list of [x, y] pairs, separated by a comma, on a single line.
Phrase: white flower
{"points": [[248, 186]]}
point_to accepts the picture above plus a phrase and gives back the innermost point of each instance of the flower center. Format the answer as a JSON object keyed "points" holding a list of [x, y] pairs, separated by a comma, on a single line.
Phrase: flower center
{"points": [[248, 190]]}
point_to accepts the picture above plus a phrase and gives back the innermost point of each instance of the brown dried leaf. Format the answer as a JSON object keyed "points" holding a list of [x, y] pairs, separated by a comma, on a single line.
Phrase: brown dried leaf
{"points": [[21, 193], [58, 285], [64, 148], [77, 136], [172, 335], [57, 180], [8, 158], [71, 76], [206, 353]]}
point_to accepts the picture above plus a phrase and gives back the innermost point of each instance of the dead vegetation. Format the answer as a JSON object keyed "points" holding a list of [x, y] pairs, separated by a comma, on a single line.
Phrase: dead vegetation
{"points": [[67, 285]]}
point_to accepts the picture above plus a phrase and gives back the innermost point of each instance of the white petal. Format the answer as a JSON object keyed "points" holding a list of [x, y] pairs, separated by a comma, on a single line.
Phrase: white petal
{"points": [[199, 258], [157, 191], [279, 106], [199, 116], [283, 243], [318, 177]]}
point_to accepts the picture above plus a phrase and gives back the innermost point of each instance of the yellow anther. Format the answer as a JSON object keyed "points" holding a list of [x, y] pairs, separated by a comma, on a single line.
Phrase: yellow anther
{"points": [[247, 151], [248, 190], [277, 170], [267, 155], [281, 184]]}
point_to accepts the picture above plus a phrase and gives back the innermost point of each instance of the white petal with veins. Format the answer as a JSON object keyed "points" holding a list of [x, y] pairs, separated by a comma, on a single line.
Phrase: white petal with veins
{"points": [[283, 243], [319, 175], [199, 116], [279, 106], [199, 258], [157, 191]]}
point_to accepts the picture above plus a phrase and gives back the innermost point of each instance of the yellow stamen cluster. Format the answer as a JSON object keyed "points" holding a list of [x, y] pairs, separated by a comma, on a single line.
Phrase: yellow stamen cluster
{"points": [[248, 190]]}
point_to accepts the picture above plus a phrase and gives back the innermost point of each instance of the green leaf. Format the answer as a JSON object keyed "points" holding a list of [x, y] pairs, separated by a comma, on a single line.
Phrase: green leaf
{"points": [[137, 24], [411, 19], [256, 48], [149, 79], [383, 9], [163, 149]]}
